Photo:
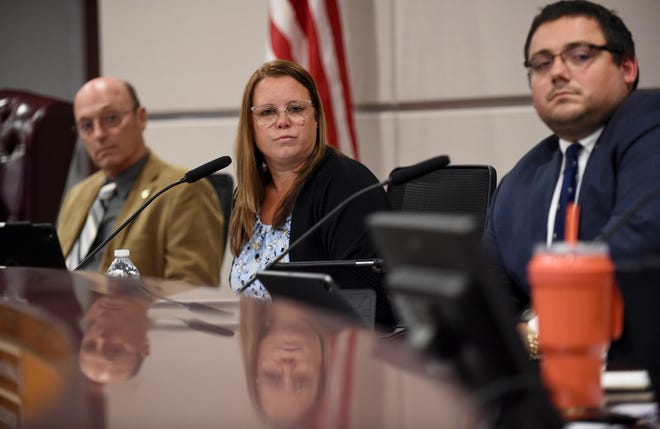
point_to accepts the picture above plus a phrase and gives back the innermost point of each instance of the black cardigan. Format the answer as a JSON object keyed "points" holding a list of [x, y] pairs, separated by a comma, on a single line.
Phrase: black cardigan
{"points": [[344, 235]]}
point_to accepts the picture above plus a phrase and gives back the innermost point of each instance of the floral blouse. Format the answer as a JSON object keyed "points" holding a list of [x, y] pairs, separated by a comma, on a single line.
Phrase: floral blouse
{"points": [[266, 244]]}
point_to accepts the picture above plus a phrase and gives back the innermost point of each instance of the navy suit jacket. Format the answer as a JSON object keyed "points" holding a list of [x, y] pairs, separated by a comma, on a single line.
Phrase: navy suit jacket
{"points": [[623, 168]]}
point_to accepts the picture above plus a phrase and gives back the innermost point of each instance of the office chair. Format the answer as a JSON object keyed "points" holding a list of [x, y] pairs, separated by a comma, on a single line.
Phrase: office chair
{"points": [[37, 139], [223, 184], [455, 189]]}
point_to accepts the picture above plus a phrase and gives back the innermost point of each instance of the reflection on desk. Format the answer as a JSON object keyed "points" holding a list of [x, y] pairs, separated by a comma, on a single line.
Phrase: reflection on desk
{"points": [[35, 362], [225, 363], [628, 392]]}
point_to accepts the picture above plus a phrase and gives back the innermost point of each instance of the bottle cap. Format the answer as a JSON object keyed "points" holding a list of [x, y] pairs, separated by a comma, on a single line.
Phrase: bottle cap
{"points": [[122, 253]]}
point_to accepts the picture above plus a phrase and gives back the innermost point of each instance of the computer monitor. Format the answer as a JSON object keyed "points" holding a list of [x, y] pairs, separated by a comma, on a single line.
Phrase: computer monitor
{"points": [[27, 244], [639, 282], [442, 291], [315, 290]]}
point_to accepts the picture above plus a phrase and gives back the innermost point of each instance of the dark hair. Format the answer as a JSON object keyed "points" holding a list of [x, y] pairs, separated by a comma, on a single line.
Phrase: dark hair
{"points": [[617, 35], [133, 94]]}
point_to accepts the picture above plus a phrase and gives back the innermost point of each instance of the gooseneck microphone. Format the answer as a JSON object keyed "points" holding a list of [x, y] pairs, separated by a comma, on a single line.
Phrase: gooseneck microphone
{"points": [[191, 176], [402, 175], [606, 234], [397, 177], [205, 169]]}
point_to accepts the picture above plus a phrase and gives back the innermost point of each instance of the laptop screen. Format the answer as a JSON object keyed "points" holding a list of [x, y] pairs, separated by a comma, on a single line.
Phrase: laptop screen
{"points": [[27, 244], [352, 274]]}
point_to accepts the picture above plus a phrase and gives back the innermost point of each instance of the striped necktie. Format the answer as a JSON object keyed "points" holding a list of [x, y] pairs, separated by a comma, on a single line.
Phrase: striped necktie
{"points": [[88, 233], [568, 188]]}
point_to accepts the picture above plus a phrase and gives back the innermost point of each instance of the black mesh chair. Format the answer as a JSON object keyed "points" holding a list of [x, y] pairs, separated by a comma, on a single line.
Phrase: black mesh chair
{"points": [[455, 189], [224, 186]]}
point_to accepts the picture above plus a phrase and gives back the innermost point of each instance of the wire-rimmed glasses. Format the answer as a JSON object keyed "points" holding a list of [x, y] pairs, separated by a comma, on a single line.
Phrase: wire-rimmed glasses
{"points": [[107, 120], [297, 111]]}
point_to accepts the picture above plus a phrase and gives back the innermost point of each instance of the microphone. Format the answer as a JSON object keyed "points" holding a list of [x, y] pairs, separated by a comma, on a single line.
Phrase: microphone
{"points": [[400, 176], [406, 174], [206, 169], [191, 176], [625, 217]]}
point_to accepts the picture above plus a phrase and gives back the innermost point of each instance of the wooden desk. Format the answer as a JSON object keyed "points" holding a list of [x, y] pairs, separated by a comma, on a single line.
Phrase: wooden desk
{"points": [[202, 358]]}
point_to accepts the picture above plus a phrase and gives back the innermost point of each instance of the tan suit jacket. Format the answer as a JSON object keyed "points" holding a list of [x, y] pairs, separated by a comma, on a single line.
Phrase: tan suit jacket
{"points": [[179, 236]]}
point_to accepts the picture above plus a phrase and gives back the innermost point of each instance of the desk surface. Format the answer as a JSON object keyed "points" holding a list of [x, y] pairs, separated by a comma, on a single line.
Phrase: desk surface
{"points": [[80, 350]]}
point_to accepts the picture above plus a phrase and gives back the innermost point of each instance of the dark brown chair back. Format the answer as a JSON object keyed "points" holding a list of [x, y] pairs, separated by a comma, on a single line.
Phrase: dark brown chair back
{"points": [[37, 139], [223, 184]]}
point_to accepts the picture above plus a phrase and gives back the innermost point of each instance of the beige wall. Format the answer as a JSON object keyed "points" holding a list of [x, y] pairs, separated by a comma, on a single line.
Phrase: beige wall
{"points": [[429, 77]]}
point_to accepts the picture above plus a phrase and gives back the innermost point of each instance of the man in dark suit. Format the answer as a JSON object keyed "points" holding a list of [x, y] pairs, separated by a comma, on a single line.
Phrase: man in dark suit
{"points": [[583, 74]]}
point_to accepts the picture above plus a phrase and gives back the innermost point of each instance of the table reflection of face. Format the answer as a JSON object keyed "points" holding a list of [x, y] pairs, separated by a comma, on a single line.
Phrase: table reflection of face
{"points": [[115, 341], [289, 366]]}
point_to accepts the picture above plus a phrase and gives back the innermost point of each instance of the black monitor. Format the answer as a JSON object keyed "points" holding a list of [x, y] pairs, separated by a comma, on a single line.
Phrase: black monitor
{"points": [[438, 280], [639, 282], [27, 244], [315, 290], [350, 275]]}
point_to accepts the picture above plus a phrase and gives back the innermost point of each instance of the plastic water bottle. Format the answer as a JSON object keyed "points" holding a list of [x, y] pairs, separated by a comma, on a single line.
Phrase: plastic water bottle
{"points": [[122, 266]]}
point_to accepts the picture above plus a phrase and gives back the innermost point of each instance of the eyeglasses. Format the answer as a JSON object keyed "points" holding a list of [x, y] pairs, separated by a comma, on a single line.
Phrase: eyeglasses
{"points": [[106, 121], [297, 111], [575, 56], [297, 383], [110, 350]]}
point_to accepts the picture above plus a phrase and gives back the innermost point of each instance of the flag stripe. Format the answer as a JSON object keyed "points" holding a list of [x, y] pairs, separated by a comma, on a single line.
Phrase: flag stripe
{"points": [[317, 70], [279, 45], [338, 398], [335, 25], [287, 38], [331, 62], [309, 33]]}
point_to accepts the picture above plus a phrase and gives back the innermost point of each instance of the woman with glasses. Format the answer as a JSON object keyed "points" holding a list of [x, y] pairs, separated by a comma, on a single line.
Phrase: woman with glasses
{"points": [[285, 350], [288, 178]]}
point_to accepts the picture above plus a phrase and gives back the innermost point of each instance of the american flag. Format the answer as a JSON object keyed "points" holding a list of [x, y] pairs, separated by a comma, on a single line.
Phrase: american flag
{"points": [[309, 33]]}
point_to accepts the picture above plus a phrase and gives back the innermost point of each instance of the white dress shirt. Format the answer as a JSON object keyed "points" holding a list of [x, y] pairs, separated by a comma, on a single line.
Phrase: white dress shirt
{"points": [[587, 144]]}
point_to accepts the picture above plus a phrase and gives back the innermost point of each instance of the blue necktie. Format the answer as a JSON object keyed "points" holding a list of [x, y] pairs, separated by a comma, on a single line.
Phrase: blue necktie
{"points": [[568, 188]]}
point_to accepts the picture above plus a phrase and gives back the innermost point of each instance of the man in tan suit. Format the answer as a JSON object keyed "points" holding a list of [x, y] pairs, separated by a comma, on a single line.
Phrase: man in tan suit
{"points": [[180, 235]]}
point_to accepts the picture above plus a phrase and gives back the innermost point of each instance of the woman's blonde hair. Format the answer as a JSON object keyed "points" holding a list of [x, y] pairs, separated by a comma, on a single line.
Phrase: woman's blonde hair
{"points": [[251, 173], [253, 327]]}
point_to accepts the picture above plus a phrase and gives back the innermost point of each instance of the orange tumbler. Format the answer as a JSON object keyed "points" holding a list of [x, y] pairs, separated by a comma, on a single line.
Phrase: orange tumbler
{"points": [[580, 311]]}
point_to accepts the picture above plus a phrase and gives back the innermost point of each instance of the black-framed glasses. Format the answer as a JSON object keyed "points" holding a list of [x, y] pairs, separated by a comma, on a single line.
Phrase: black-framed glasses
{"points": [[107, 120], [297, 111], [576, 55]]}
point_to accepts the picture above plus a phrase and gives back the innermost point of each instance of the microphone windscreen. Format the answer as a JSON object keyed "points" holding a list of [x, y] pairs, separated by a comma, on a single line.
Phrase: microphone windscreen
{"points": [[205, 169], [414, 171]]}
